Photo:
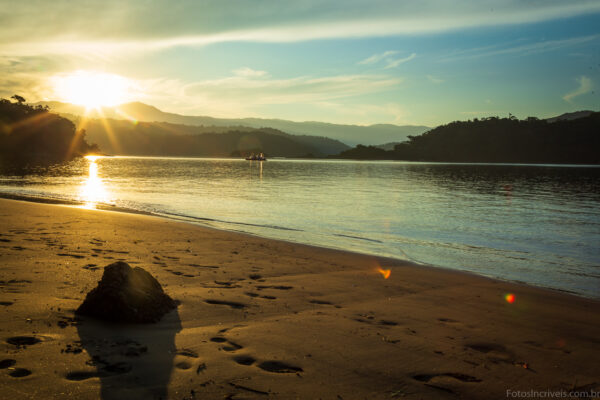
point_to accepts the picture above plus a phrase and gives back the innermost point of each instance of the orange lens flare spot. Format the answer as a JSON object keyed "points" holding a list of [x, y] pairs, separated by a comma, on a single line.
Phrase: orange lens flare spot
{"points": [[384, 272], [510, 298]]}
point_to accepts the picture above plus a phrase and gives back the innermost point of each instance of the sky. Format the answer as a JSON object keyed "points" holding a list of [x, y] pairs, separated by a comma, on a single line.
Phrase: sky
{"points": [[424, 62]]}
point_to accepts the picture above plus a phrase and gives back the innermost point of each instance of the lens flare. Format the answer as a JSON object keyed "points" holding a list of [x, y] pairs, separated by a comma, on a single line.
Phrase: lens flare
{"points": [[384, 272], [509, 297]]}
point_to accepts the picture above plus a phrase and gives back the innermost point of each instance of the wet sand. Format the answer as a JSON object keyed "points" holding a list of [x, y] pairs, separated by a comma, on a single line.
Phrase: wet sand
{"points": [[261, 319]]}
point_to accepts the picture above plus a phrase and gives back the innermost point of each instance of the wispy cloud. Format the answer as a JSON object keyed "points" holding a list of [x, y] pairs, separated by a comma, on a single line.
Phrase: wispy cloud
{"points": [[247, 94], [585, 86], [519, 49], [62, 28], [393, 63], [249, 72], [388, 58], [375, 58], [285, 91]]}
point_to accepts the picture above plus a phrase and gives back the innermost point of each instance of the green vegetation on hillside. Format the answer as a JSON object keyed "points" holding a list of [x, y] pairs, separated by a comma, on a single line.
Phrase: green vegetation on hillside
{"points": [[350, 134], [33, 135], [123, 137], [499, 140]]}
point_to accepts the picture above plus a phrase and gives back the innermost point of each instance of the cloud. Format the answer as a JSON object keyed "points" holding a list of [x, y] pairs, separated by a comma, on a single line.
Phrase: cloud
{"points": [[393, 63], [520, 49], [386, 56], [242, 89], [375, 58], [249, 72], [585, 86], [254, 95], [148, 25]]}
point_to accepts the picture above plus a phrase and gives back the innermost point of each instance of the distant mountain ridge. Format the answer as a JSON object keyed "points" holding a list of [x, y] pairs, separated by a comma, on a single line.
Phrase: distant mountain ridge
{"points": [[570, 116], [166, 139], [348, 134]]}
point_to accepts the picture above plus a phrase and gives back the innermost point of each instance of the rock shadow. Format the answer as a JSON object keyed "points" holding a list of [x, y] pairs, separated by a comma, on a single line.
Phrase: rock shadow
{"points": [[132, 361]]}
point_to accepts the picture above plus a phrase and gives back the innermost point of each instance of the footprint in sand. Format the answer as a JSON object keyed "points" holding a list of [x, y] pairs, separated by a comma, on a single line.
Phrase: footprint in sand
{"points": [[183, 365], [455, 375], [279, 367], [203, 266], [449, 320], [7, 363], [231, 304], [494, 352], [81, 375], [244, 360], [230, 346], [187, 353], [322, 302], [70, 255], [22, 341], [20, 372], [104, 371], [279, 287]]}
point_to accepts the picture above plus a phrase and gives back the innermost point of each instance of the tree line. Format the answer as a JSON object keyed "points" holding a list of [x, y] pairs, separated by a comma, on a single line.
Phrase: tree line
{"points": [[498, 140], [34, 135]]}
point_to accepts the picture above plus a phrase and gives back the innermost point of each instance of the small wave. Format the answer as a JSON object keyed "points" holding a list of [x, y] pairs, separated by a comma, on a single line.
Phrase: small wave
{"points": [[357, 237], [205, 219]]}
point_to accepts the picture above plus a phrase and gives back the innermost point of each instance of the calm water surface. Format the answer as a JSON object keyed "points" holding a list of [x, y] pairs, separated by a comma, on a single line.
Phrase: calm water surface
{"points": [[535, 224]]}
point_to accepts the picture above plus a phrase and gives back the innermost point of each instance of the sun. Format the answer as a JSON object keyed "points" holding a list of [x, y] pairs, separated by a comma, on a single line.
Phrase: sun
{"points": [[92, 89]]}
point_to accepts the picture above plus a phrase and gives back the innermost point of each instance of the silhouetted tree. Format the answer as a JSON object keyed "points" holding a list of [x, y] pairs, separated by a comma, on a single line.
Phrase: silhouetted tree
{"points": [[18, 98], [33, 135]]}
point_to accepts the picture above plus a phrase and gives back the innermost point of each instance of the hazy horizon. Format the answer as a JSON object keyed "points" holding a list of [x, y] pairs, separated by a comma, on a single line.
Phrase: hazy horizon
{"points": [[382, 62]]}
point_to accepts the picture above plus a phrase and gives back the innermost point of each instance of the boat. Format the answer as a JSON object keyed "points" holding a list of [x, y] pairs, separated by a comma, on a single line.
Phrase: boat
{"points": [[256, 157]]}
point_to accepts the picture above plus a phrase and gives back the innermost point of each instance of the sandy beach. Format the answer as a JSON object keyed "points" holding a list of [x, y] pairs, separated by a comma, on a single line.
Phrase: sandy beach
{"points": [[260, 318]]}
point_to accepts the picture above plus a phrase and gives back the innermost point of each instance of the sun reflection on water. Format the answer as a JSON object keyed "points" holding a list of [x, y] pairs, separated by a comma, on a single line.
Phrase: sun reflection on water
{"points": [[92, 191]]}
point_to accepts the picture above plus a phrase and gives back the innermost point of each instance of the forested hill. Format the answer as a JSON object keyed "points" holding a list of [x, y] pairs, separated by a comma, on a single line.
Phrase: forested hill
{"points": [[34, 136], [499, 140], [164, 139]]}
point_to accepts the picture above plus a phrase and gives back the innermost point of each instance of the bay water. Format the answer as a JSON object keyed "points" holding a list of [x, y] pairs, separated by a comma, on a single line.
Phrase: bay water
{"points": [[538, 224]]}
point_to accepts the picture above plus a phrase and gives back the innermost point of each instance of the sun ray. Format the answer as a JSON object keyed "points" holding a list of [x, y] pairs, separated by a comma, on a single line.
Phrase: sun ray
{"points": [[109, 131], [126, 116], [37, 118]]}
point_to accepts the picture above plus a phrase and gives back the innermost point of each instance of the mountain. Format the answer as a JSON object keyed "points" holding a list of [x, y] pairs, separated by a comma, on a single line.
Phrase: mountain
{"points": [[348, 134], [166, 139], [570, 116]]}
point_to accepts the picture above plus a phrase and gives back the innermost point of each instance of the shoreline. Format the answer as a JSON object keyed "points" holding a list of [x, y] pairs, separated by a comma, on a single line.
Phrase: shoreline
{"points": [[195, 221]]}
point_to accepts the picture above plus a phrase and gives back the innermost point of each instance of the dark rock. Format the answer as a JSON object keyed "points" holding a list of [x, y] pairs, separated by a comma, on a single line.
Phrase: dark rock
{"points": [[126, 294]]}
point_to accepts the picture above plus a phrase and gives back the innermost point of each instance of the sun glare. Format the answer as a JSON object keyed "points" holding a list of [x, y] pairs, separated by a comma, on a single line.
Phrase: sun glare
{"points": [[92, 89]]}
